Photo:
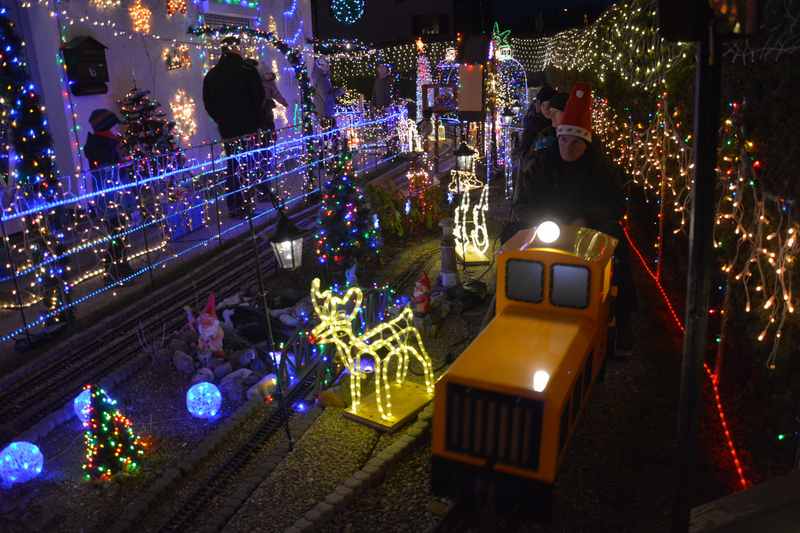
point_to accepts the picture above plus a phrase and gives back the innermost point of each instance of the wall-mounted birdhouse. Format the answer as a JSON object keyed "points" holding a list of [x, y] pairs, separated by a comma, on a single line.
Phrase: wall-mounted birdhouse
{"points": [[87, 69]]}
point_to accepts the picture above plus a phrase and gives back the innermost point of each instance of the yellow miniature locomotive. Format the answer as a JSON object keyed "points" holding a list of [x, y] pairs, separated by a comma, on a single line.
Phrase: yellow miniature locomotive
{"points": [[509, 404]]}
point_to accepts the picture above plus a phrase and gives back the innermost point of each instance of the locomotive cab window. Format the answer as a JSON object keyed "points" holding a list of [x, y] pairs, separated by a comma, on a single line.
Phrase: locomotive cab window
{"points": [[524, 280], [569, 286]]}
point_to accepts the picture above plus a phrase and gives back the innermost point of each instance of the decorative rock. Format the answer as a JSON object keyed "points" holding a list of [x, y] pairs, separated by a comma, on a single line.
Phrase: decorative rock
{"points": [[237, 375], [232, 389], [252, 379], [183, 362], [246, 357], [204, 374], [204, 358], [258, 365], [222, 369], [263, 388], [289, 320], [178, 345]]}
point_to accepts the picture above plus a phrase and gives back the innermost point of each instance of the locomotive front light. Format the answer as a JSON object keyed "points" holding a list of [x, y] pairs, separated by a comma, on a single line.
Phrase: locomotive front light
{"points": [[548, 231], [540, 379]]}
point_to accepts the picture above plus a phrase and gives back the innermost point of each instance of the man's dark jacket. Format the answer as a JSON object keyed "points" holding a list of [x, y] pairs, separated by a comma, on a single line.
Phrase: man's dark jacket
{"points": [[589, 188], [233, 96]]}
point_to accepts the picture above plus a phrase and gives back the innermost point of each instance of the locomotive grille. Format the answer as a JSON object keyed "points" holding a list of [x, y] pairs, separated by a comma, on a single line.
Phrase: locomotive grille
{"points": [[503, 429]]}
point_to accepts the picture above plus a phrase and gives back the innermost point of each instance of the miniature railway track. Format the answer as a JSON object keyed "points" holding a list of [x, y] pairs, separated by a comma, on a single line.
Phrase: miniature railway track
{"points": [[57, 380], [224, 474]]}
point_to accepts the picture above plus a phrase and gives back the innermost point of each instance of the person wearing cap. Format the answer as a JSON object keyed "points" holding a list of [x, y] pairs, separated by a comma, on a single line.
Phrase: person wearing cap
{"points": [[536, 118], [103, 149], [233, 96], [574, 183]]}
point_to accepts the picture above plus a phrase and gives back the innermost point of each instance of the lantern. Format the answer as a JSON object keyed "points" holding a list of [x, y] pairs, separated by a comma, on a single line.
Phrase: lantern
{"points": [[507, 117], [287, 244], [516, 108], [464, 155]]}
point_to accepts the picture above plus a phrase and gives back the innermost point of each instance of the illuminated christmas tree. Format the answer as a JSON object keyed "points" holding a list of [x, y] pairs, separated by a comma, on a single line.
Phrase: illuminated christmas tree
{"points": [[423, 75], [148, 131], [347, 229], [111, 444]]}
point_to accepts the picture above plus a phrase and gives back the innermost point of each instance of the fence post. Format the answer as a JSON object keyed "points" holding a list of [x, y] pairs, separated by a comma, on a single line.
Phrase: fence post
{"points": [[13, 265], [216, 194]]}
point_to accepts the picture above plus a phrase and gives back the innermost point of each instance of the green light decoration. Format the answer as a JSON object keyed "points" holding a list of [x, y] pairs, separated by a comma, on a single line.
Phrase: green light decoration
{"points": [[252, 4], [111, 445], [781, 436], [347, 11], [500, 37]]}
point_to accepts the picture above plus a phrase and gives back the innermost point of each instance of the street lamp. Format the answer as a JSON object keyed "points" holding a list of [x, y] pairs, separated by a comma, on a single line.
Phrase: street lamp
{"points": [[516, 108], [507, 117], [464, 155], [287, 244]]}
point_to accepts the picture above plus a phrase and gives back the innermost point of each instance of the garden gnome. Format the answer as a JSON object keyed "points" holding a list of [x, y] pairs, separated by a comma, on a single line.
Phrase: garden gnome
{"points": [[422, 295], [209, 329]]}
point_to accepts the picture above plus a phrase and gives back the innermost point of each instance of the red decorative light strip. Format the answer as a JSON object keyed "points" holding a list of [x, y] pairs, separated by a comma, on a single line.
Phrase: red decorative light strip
{"points": [[713, 378]]}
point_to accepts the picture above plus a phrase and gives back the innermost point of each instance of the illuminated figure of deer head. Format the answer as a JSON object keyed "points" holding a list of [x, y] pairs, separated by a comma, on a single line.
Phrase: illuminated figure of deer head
{"points": [[395, 341]]}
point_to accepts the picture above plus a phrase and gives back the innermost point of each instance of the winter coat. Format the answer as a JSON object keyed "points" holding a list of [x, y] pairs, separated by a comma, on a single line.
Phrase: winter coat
{"points": [[233, 96], [103, 150], [589, 189], [324, 93], [381, 91]]}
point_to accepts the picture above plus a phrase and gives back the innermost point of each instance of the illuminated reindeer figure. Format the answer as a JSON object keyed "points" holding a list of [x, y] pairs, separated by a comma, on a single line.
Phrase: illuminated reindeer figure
{"points": [[396, 338]]}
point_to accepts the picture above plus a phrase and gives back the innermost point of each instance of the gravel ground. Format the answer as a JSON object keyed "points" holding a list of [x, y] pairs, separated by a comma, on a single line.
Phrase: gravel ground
{"points": [[617, 476], [154, 399]]}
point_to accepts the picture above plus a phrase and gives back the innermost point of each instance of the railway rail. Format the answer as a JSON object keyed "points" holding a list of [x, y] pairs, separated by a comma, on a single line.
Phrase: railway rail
{"points": [[30, 395]]}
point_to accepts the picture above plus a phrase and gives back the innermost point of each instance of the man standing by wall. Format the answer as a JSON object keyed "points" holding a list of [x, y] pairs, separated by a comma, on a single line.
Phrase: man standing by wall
{"points": [[233, 96]]}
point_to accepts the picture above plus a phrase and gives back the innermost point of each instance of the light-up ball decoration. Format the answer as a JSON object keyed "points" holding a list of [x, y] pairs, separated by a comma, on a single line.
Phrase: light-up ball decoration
{"points": [[183, 106], [20, 462], [203, 400], [82, 405], [347, 11]]}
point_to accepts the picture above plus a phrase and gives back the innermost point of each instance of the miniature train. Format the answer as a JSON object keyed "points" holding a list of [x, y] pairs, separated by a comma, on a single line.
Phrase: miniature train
{"points": [[507, 407]]}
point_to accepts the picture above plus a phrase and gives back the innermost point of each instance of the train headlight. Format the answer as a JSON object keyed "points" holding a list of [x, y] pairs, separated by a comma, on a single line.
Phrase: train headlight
{"points": [[540, 379], [548, 231]]}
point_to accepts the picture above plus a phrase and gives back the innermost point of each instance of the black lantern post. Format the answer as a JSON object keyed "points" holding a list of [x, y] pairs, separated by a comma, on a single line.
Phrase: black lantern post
{"points": [[287, 244], [464, 155]]}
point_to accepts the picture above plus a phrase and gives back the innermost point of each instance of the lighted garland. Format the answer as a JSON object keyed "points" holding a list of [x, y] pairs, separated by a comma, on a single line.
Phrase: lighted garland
{"points": [[347, 11]]}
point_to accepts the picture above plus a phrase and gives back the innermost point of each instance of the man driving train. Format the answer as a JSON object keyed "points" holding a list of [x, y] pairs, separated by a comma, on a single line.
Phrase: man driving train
{"points": [[574, 183]]}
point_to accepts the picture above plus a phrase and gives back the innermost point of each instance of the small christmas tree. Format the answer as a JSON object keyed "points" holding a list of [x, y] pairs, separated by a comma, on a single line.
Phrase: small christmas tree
{"points": [[347, 229], [148, 131], [111, 444]]}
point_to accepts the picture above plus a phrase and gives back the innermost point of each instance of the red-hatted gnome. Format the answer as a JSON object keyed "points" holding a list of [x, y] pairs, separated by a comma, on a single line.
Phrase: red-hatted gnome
{"points": [[422, 295], [209, 330]]}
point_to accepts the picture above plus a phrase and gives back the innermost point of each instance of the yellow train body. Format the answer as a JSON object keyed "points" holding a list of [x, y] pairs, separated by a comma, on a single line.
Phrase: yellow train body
{"points": [[551, 316]]}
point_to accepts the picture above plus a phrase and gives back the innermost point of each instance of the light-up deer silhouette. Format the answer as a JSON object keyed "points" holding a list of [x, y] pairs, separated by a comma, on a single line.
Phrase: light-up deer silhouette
{"points": [[396, 339]]}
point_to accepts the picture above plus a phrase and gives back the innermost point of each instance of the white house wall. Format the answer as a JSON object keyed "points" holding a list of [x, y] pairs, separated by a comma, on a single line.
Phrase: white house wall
{"points": [[140, 59]]}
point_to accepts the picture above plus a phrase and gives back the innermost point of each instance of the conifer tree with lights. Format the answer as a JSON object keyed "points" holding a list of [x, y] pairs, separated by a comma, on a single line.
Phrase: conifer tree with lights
{"points": [[111, 445], [147, 132], [33, 171], [346, 227]]}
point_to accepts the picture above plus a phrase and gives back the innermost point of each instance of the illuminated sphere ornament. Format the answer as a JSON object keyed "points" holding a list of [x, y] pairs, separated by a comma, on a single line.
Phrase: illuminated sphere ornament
{"points": [[548, 231], [82, 406], [347, 11], [203, 400], [20, 462]]}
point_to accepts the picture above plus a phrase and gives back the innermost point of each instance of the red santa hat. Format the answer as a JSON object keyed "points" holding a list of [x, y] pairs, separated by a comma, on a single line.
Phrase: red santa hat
{"points": [[577, 117], [211, 305]]}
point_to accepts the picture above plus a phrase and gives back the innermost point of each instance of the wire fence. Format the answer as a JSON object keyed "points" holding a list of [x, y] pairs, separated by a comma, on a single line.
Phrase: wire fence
{"points": [[112, 225]]}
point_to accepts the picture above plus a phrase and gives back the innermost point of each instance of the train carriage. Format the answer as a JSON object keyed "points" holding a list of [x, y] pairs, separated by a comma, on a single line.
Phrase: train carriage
{"points": [[509, 404]]}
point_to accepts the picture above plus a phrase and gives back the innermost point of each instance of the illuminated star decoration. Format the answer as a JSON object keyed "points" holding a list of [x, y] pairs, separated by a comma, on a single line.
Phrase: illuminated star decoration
{"points": [[397, 338], [176, 6], [140, 17]]}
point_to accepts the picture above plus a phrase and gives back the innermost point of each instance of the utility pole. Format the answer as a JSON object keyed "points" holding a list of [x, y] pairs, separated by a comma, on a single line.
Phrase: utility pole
{"points": [[701, 261]]}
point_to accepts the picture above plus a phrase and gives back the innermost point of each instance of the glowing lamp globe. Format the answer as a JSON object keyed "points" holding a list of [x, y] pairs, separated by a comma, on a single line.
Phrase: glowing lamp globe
{"points": [[82, 405], [507, 117], [287, 244], [464, 155], [548, 232], [20, 462], [540, 380], [203, 400]]}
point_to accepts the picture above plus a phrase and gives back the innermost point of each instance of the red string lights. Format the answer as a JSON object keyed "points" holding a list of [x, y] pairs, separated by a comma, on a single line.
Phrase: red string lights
{"points": [[713, 378]]}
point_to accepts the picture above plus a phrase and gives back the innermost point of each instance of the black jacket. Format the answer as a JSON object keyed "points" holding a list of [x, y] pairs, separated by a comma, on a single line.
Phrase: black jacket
{"points": [[233, 96], [102, 151], [590, 188]]}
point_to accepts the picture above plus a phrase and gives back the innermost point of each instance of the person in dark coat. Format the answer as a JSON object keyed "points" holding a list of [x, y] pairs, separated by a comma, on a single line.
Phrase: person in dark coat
{"points": [[382, 87], [574, 183], [233, 96], [536, 118], [103, 149]]}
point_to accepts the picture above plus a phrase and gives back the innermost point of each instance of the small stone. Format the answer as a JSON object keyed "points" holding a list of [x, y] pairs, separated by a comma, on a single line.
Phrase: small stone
{"points": [[438, 508], [183, 362], [203, 374], [222, 370], [246, 357], [263, 388]]}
